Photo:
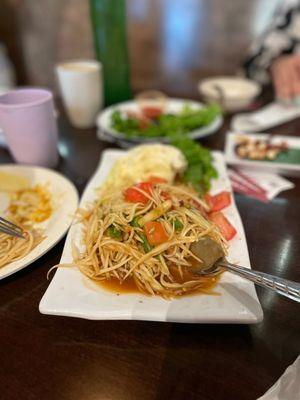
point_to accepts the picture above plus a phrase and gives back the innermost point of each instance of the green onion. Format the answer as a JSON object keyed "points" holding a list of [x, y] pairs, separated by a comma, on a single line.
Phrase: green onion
{"points": [[145, 244], [114, 232], [135, 222], [178, 225]]}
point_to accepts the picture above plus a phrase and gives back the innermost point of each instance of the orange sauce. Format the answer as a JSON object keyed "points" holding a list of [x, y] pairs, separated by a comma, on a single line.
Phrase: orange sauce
{"points": [[207, 283], [129, 286], [114, 285]]}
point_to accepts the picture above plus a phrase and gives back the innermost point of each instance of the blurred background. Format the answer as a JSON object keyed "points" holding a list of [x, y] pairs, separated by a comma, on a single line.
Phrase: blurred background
{"points": [[172, 43]]}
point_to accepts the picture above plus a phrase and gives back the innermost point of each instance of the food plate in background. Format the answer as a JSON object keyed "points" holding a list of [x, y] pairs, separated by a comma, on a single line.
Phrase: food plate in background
{"points": [[72, 294], [287, 163], [105, 130], [65, 201]]}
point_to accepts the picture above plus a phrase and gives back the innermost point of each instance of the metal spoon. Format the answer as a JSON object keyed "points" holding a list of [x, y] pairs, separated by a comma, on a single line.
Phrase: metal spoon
{"points": [[212, 255]]}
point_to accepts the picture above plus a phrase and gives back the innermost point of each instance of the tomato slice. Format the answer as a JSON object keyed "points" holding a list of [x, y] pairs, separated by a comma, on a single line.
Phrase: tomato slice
{"points": [[156, 179], [132, 195], [227, 230], [155, 233], [151, 112], [219, 201]]}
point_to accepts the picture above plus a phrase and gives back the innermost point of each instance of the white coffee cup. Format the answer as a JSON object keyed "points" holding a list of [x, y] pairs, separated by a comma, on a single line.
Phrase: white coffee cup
{"points": [[82, 90]]}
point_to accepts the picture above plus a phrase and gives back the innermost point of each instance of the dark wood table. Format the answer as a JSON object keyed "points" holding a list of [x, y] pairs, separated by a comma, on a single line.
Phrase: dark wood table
{"points": [[46, 357]]}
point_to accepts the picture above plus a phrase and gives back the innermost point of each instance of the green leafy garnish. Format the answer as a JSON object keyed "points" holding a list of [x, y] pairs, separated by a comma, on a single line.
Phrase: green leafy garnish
{"points": [[122, 124], [200, 170], [183, 122]]}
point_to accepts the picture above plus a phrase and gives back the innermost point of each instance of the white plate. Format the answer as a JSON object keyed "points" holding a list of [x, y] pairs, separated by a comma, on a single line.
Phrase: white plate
{"points": [[266, 166], [69, 294], [65, 198], [173, 106]]}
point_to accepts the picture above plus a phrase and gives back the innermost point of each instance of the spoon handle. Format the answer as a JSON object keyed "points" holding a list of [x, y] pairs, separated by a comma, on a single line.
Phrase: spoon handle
{"points": [[281, 286]]}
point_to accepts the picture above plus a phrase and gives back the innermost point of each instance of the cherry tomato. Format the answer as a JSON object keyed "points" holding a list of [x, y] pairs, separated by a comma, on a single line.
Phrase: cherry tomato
{"points": [[155, 233], [227, 230], [151, 112], [132, 195], [156, 179], [219, 201]]}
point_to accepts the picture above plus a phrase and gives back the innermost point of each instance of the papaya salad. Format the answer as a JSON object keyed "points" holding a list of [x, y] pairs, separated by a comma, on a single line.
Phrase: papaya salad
{"points": [[141, 226]]}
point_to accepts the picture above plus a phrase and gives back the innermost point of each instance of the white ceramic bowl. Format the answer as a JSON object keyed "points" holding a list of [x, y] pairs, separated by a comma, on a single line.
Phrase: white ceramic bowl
{"points": [[231, 93]]}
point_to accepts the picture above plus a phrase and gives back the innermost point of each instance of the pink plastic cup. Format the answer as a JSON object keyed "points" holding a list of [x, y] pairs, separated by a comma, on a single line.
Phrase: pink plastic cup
{"points": [[29, 125]]}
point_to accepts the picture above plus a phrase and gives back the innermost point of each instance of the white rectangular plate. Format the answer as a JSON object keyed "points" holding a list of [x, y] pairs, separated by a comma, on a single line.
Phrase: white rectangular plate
{"points": [[69, 294], [266, 166]]}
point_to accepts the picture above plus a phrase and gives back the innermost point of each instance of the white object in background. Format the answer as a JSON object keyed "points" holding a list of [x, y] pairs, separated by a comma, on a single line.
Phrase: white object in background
{"points": [[71, 294], [288, 385], [231, 92], [272, 184], [271, 115], [265, 166], [82, 92]]}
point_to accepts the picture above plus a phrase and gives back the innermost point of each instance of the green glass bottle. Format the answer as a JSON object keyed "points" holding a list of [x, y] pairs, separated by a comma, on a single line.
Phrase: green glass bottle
{"points": [[109, 29]]}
